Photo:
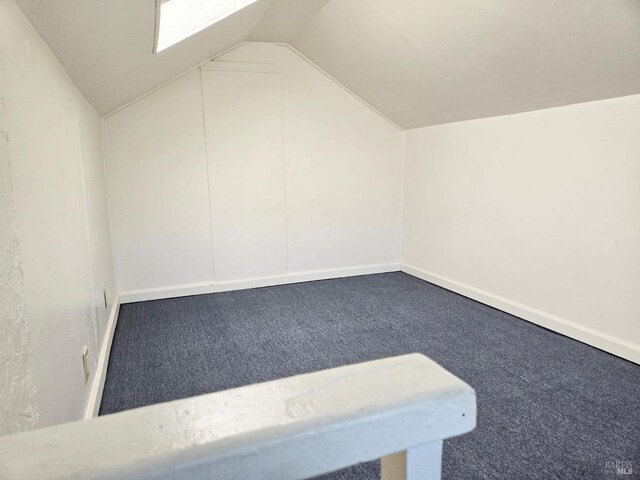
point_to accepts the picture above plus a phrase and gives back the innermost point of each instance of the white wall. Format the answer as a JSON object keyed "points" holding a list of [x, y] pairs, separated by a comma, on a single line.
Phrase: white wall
{"points": [[56, 249], [537, 214], [277, 173], [157, 172]]}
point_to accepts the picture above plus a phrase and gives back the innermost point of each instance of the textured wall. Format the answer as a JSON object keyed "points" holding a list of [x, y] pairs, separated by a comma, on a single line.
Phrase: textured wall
{"points": [[18, 409], [56, 251]]}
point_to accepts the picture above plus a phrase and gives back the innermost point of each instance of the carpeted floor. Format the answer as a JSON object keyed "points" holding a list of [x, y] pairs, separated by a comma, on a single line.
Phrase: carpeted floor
{"points": [[548, 407]]}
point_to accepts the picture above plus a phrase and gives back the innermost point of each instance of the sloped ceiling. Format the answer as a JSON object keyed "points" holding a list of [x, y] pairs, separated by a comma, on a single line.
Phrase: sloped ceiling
{"points": [[418, 62], [106, 45], [428, 62]]}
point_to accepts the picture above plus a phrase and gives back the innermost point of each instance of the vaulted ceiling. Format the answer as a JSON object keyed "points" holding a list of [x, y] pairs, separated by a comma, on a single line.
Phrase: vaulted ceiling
{"points": [[418, 62]]}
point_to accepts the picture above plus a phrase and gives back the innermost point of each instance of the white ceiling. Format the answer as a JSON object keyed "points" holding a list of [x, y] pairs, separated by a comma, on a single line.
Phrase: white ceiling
{"points": [[107, 45], [418, 62], [427, 62]]}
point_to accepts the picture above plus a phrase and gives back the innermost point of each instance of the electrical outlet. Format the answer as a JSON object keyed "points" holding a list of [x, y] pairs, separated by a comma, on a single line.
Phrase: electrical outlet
{"points": [[85, 363], [104, 296]]}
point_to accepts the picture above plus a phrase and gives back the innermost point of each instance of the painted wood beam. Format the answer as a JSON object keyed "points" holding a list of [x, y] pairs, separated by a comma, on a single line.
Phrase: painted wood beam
{"points": [[290, 428]]}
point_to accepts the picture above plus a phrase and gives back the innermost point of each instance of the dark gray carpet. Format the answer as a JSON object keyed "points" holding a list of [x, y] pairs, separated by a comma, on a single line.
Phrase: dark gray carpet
{"points": [[548, 407]]}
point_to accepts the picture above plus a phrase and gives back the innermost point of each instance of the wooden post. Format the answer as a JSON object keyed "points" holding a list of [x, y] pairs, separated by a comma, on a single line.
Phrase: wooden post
{"points": [[423, 462]]}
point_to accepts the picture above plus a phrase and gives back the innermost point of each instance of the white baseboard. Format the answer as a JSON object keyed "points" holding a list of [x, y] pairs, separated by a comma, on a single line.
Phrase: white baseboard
{"points": [[100, 375], [595, 338], [216, 287]]}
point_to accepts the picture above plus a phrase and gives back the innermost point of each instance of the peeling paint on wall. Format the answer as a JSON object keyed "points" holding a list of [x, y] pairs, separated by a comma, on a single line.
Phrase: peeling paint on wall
{"points": [[18, 407]]}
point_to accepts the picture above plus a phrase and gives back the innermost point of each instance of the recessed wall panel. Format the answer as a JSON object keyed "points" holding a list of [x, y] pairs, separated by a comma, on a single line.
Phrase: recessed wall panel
{"points": [[243, 112]]}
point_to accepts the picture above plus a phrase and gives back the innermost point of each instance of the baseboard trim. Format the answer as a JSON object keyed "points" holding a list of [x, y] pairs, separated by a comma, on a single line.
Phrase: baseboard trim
{"points": [[603, 341], [217, 287], [100, 375]]}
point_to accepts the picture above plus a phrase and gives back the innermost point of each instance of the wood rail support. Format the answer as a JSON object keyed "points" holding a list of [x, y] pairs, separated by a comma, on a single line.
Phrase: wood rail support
{"points": [[423, 462]]}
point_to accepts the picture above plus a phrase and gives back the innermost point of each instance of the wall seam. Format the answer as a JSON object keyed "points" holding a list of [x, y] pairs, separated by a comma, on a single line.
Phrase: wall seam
{"points": [[91, 267], [108, 193], [206, 162], [284, 165], [402, 194]]}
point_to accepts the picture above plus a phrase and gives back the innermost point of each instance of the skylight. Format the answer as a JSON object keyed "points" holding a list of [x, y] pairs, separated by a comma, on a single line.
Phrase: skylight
{"points": [[179, 19]]}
